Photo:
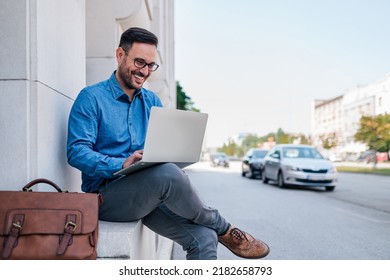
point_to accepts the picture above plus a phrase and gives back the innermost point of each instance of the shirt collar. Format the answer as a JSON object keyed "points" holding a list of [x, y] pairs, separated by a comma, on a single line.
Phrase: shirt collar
{"points": [[117, 90]]}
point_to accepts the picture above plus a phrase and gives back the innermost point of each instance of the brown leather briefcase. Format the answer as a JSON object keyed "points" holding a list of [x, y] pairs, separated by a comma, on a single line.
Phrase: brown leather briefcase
{"points": [[48, 225]]}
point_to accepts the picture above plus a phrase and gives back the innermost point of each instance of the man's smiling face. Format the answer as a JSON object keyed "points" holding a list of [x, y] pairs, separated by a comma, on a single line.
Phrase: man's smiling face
{"points": [[130, 76]]}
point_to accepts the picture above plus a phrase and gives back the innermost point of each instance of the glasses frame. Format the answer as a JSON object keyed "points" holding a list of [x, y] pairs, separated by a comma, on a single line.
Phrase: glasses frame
{"points": [[140, 63]]}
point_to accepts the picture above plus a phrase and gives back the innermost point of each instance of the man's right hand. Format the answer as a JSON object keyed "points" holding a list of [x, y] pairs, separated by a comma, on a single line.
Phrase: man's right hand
{"points": [[136, 156]]}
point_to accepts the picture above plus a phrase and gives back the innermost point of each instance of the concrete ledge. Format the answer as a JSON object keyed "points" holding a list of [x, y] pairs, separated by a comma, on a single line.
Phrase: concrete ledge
{"points": [[115, 239], [131, 240]]}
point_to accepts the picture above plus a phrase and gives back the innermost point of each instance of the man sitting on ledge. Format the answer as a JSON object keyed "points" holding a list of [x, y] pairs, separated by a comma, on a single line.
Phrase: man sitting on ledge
{"points": [[107, 127]]}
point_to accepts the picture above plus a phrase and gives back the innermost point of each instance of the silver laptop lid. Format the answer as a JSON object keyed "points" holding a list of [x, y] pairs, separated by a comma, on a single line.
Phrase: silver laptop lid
{"points": [[174, 135]]}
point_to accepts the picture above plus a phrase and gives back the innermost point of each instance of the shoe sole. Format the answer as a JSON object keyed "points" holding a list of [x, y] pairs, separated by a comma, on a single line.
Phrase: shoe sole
{"points": [[255, 257]]}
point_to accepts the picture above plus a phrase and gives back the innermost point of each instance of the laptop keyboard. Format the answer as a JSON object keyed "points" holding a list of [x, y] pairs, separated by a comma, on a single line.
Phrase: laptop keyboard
{"points": [[137, 163]]}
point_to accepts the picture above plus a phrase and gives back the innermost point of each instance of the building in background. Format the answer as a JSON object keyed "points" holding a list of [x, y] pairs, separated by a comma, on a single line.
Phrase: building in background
{"points": [[50, 50], [338, 118], [328, 123]]}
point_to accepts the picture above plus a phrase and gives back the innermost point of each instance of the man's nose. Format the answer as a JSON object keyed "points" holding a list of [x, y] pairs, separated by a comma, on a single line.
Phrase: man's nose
{"points": [[145, 70]]}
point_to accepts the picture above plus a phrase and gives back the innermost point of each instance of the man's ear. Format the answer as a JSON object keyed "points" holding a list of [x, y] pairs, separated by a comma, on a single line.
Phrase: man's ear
{"points": [[120, 55]]}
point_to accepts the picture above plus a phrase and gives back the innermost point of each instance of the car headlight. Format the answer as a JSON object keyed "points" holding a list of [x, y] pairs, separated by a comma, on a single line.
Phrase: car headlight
{"points": [[292, 168], [332, 170]]}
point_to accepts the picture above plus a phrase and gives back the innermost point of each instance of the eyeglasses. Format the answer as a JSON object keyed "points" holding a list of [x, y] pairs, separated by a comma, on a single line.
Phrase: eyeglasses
{"points": [[140, 63]]}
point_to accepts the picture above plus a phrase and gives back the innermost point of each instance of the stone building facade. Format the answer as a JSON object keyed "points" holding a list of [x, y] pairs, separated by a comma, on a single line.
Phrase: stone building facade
{"points": [[339, 117]]}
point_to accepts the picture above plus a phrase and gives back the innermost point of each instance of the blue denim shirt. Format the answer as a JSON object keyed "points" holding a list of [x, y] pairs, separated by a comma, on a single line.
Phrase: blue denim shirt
{"points": [[105, 128]]}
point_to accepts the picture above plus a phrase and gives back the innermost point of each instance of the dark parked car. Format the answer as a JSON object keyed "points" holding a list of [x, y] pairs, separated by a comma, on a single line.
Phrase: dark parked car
{"points": [[299, 165], [219, 159], [252, 163]]}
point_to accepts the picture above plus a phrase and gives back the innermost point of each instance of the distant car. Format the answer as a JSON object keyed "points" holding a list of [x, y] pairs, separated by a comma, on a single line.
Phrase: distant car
{"points": [[302, 165], [219, 159], [252, 163], [368, 157]]}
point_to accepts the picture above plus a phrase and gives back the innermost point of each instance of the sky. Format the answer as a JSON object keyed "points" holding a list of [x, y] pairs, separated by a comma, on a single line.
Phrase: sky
{"points": [[255, 66]]}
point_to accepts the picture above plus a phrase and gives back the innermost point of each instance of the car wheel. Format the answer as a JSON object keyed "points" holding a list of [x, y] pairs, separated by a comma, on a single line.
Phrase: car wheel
{"points": [[280, 180], [264, 178], [253, 176], [250, 174], [329, 188], [243, 173]]}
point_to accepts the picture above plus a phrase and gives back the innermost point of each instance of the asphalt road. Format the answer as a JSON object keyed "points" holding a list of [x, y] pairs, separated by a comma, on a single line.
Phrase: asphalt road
{"points": [[350, 223]]}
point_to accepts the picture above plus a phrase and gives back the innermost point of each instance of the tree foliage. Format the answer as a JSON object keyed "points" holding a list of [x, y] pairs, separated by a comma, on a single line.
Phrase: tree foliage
{"points": [[183, 101], [329, 140], [232, 148], [282, 137], [375, 132], [250, 141]]}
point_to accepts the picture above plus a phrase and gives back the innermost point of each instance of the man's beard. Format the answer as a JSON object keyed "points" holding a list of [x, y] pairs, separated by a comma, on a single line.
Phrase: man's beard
{"points": [[127, 78]]}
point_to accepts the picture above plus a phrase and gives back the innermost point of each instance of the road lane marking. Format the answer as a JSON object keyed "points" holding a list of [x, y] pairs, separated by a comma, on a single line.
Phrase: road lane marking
{"points": [[361, 216]]}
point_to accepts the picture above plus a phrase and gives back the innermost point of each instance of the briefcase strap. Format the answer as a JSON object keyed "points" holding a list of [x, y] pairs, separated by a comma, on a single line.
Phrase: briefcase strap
{"points": [[12, 239], [66, 240]]}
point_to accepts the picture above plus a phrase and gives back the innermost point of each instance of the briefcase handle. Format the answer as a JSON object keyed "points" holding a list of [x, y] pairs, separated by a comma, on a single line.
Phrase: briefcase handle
{"points": [[27, 188]]}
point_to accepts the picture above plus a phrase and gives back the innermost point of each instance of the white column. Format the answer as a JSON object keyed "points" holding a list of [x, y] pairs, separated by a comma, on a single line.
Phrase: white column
{"points": [[42, 58], [105, 22]]}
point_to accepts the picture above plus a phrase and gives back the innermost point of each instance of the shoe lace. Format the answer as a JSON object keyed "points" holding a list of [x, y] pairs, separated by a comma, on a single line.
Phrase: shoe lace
{"points": [[238, 234]]}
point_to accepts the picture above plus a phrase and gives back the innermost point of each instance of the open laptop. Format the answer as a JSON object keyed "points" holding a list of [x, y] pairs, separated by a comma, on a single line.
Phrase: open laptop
{"points": [[172, 136]]}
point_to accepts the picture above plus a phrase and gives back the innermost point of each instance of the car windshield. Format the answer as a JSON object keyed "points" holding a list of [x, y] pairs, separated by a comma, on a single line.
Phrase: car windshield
{"points": [[219, 156], [259, 154], [301, 152]]}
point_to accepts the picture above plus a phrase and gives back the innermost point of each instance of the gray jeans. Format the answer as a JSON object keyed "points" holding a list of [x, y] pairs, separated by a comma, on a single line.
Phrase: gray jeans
{"points": [[164, 198]]}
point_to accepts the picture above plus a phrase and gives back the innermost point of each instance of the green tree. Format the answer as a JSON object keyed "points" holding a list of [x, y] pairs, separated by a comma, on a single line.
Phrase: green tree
{"points": [[250, 141], [375, 132], [266, 138], [304, 139], [282, 137], [183, 101], [231, 149], [329, 141]]}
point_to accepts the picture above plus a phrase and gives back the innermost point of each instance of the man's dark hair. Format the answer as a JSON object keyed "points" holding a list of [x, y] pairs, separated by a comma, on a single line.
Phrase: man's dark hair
{"points": [[139, 35]]}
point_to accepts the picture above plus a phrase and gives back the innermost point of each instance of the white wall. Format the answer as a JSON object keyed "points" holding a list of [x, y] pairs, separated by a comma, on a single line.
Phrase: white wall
{"points": [[42, 68], [105, 22], [103, 33], [13, 93]]}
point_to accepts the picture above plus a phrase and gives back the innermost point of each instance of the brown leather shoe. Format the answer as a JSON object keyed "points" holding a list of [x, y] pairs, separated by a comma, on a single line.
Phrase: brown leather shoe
{"points": [[243, 244]]}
